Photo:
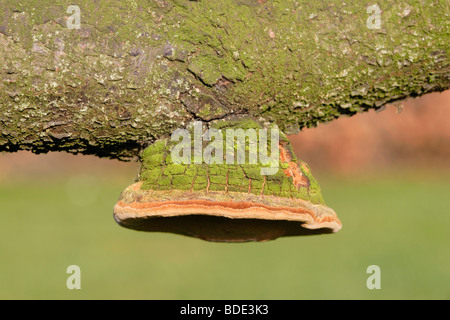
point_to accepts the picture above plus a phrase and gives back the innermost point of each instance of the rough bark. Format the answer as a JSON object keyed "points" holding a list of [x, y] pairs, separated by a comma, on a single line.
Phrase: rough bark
{"points": [[137, 70]]}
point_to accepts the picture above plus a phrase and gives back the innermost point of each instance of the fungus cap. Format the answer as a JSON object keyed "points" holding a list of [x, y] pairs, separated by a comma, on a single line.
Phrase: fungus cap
{"points": [[225, 202]]}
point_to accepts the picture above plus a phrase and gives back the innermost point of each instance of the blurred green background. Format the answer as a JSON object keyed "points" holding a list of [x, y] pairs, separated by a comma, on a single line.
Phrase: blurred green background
{"points": [[56, 211]]}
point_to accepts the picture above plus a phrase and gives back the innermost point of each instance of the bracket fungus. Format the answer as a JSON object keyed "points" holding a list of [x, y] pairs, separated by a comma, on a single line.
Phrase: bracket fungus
{"points": [[231, 189]]}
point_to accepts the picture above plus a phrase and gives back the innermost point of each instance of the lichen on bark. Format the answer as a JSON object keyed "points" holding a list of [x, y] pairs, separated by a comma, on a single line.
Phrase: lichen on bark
{"points": [[137, 70]]}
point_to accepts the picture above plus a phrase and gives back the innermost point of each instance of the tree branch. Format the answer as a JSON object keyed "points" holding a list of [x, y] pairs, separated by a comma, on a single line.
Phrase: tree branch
{"points": [[136, 71]]}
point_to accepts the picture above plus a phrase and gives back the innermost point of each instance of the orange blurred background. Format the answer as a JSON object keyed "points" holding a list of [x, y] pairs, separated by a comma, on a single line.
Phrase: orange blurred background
{"points": [[416, 134]]}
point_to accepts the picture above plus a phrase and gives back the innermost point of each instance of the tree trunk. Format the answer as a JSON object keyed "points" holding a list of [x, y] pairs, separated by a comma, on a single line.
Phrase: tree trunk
{"points": [[135, 71]]}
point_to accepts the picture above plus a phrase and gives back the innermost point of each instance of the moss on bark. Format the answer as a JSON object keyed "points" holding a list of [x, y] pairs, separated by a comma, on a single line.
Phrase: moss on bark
{"points": [[137, 70]]}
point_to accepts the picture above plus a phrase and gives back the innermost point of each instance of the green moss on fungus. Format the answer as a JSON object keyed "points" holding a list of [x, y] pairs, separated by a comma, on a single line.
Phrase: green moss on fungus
{"points": [[160, 173]]}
